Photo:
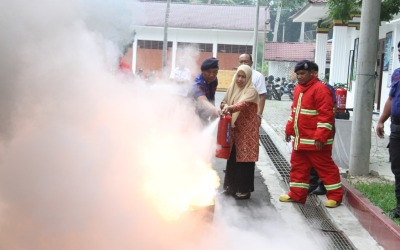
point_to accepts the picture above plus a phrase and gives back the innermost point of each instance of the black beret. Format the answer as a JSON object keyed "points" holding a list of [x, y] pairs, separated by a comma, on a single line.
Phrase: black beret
{"points": [[303, 65], [314, 66], [209, 63]]}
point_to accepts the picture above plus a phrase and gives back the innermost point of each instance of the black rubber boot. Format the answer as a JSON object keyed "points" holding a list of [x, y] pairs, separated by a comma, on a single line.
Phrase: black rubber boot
{"points": [[313, 180], [395, 213], [320, 190]]}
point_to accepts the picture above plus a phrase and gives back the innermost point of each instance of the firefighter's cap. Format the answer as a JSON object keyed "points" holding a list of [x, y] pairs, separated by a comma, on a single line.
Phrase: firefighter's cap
{"points": [[209, 63], [303, 65]]}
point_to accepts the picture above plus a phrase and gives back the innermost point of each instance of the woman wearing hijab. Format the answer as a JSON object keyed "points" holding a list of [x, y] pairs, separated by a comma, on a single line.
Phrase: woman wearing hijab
{"points": [[241, 100]]}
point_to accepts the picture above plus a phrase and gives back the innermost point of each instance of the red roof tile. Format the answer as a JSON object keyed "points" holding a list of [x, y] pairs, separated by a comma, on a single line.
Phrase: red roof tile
{"points": [[204, 16], [291, 52]]}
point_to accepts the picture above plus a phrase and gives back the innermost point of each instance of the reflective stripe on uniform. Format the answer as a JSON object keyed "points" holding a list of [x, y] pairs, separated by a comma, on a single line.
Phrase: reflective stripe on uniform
{"points": [[308, 112], [296, 118], [333, 186], [311, 141], [299, 185], [307, 141], [324, 125]]}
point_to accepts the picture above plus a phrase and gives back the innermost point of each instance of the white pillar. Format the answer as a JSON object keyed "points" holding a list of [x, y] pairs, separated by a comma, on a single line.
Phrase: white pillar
{"points": [[215, 49], [174, 50], [134, 55], [339, 58], [320, 53]]}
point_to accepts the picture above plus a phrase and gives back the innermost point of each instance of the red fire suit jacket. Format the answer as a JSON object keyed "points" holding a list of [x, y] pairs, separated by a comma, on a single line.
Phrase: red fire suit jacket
{"points": [[312, 116]]}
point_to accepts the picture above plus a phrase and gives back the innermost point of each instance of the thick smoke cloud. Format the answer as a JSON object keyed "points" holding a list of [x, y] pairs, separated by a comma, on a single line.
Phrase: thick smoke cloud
{"points": [[88, 158]]}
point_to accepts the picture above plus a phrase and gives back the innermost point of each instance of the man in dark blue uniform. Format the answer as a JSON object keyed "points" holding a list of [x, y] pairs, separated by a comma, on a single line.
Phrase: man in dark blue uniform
{"points": [[205, 85], [392, 110]]}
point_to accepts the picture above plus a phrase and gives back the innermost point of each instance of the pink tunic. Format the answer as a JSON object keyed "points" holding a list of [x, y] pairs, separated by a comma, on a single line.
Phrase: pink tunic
{"points": [[246, 131]]}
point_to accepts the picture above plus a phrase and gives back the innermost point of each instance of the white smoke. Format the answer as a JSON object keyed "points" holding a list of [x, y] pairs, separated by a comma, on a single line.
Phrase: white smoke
{"points": [[79, 145]]}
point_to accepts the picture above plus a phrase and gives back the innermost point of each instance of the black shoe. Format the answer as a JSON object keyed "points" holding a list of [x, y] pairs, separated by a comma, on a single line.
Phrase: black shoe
{"points": [[395, 213], [242, 196], [320, 190]]}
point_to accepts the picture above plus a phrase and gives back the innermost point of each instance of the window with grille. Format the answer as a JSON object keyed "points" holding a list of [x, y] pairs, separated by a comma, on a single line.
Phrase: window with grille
{"points": [[148, 44], [237, 49]]}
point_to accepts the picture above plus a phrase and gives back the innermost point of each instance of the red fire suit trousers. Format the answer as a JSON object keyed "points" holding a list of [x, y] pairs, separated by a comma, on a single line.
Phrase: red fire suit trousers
{"points": [[321, 160]]}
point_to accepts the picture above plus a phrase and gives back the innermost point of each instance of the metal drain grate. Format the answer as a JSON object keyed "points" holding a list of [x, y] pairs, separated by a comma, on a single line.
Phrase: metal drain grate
{"points": [[313, 210]]}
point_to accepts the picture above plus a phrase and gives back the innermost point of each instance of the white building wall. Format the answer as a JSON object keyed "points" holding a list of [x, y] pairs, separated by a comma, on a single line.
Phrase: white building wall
{"points": [[213, 36], [340, 55], [196, 36], [395, 61], [320, 53], [353, 34]]}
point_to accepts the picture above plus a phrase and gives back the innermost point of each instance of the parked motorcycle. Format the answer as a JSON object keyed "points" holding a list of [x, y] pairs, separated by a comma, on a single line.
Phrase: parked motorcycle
{"points": [[291, 86], [269, 81], [276, 89], [284, 87]]}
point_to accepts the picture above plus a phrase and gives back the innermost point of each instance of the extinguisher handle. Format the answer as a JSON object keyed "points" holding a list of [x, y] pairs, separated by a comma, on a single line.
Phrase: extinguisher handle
{"points": [[222, 116]]}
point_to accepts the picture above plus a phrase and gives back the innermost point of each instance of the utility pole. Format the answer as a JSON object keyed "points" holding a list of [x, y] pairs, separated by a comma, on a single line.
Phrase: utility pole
{"points": [[264, 41], [360, 145], [276, 25], [301, 38], [255, 38], [165, 43]]}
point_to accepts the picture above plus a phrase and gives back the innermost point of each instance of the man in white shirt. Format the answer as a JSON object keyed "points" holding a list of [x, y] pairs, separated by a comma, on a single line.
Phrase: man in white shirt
{"points": [[181, 74], [183, 77], [258, 80]]}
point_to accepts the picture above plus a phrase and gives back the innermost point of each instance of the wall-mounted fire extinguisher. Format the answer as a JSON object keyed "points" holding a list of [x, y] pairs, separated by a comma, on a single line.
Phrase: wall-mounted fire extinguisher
{"points": [[224, 137], [341, 94]]}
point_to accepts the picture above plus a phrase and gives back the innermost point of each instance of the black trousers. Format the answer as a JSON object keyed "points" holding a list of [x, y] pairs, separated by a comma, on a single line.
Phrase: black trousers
{"points": [[394, 152], [315, 181], [239, 176]]}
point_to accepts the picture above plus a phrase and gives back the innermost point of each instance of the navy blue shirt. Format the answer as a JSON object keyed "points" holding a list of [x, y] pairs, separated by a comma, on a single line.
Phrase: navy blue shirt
{"points": [[201, 88], [333, 92], [395, 93]]}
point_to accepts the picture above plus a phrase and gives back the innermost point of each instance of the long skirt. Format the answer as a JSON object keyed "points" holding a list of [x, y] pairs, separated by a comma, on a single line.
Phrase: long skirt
{"points": [[239, 176]]}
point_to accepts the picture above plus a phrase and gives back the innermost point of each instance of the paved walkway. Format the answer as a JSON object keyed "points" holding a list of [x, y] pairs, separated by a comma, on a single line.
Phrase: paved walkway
{"points": [[275, 116]]}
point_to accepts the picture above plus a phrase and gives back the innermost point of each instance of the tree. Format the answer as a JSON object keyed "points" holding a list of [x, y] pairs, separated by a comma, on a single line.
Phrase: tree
{"points": [[344, 9], [292, 30], [389, 8], [277, 19]]}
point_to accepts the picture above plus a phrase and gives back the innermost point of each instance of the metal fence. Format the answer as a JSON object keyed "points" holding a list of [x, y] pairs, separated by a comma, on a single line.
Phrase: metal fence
{"points": [[282, 69]]}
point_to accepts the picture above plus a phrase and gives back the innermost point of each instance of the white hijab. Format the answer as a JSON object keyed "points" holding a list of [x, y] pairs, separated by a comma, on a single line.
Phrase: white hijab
{"points": [[235, 94]]}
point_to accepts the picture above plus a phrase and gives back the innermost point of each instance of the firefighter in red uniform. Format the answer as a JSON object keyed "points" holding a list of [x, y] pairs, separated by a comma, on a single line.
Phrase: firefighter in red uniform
{"points": [[310, 125]]}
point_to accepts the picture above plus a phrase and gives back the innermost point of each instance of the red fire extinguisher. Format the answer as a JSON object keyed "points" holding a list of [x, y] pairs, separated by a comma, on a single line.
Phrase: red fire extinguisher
{"points": [[224, 137], [341, 94]]}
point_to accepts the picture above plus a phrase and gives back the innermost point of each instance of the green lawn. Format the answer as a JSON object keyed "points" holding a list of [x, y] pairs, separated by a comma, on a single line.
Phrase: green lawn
{"points": [[381, 194]]}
